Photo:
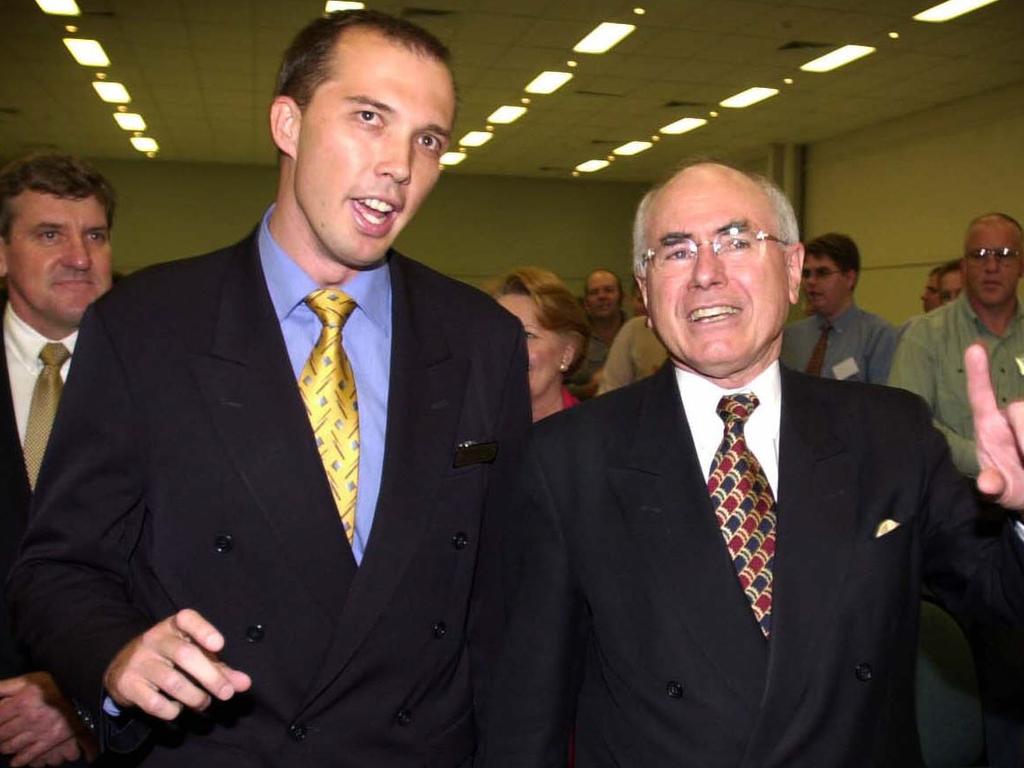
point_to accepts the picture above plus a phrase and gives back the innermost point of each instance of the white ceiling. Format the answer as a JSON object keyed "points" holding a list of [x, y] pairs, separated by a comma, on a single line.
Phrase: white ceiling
{"points": [[202, 71]]}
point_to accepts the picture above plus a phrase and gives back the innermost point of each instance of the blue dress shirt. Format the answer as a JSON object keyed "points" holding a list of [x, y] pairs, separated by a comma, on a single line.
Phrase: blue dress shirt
{"points": [[367, 342]]}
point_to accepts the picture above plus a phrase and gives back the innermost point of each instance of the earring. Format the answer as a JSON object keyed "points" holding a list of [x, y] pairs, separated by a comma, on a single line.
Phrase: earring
{"points": [[563, 367]]}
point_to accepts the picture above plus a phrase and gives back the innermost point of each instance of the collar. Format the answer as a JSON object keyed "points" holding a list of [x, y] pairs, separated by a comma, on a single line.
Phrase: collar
{"points": [[289, 285], [962, 305], [843, 320], [701, 396], [24, 343]]}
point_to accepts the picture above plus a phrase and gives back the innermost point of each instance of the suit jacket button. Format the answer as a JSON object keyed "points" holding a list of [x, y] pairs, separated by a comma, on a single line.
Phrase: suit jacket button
{"points": [[440, 630], [460, 540], [297, 732], [863, 672], [254, 633], [674, 689], [403, 717], [223, 542]]}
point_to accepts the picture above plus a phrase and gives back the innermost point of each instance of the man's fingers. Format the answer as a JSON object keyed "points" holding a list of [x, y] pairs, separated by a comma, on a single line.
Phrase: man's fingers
{"points": [[193, 626], [991, 483], [979, 385], [239, 680]]}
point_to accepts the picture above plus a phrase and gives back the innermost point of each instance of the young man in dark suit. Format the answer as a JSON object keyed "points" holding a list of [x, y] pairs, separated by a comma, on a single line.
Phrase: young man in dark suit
{"points": [[278, 547], [55, 219], [721, 565]]}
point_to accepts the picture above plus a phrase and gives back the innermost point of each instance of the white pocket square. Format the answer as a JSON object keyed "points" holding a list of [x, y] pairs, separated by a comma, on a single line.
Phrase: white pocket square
{"points": [[884, 527]]}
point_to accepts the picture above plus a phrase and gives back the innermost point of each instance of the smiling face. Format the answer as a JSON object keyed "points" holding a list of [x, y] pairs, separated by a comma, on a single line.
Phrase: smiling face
{"points": [[56, 260], [720, 316], [362, 156], [602, 297]]}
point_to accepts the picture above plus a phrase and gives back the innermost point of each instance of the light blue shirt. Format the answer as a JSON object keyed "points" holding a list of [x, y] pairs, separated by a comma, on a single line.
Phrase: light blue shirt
{"points": [[860, 346], [367, 342]]}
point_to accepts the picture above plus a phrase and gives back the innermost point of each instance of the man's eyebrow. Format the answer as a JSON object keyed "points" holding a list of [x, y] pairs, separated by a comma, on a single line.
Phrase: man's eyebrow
{"points": [[671, 238]]}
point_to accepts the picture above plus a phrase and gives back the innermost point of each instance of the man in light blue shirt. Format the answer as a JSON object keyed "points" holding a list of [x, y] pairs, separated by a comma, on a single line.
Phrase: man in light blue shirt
{"points": [[840, 340]]}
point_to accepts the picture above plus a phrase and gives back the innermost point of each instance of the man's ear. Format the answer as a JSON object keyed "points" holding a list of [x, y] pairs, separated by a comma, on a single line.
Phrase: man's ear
{"points": [[285, 124], [794, 255], [3, 258]]}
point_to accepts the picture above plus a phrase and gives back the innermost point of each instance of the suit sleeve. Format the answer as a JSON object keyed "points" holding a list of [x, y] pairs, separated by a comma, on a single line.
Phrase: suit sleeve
{"points": [[539, 672], [70, 587]]}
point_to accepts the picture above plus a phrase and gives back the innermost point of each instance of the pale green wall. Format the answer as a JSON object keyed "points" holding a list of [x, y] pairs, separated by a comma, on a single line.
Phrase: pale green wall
{"points": [[905, 190], [471, 227]]}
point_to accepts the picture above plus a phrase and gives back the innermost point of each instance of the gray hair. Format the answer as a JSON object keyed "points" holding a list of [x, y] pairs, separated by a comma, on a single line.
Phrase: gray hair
{"points": [[785, 217]]}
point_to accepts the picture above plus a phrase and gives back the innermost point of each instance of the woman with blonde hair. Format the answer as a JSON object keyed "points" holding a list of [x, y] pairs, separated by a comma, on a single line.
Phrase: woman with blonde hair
{"points": [[556, 333]]}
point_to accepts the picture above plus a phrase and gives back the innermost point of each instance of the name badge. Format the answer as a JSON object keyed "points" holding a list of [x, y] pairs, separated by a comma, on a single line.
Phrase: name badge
{"points": [[845, 369]]}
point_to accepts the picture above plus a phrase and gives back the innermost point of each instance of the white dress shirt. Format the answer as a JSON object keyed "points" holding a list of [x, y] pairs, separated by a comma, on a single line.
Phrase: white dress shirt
{"points": [[22, 344], [700, 401]]}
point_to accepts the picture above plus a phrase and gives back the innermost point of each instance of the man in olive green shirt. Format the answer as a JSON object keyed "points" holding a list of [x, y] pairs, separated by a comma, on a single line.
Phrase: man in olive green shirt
{"points": [[930, 358]]}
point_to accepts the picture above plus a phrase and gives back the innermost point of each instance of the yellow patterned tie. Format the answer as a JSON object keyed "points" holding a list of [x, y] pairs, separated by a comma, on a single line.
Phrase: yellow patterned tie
{"points": [[329, 391], [45, 397]]}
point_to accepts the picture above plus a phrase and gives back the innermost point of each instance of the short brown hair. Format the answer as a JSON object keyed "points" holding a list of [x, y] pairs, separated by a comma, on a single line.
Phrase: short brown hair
{"points": [[557, 308], [59, 175], [307, 62]]}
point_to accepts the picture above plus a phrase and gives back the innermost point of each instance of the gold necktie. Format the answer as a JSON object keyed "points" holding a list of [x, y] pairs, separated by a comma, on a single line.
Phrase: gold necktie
{"points": [[328, 389], [45, 398]]}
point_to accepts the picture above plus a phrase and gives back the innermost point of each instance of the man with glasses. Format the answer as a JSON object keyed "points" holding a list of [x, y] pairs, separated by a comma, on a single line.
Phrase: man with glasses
{"points": [[929, 360], [840, 340], [649, 611]]}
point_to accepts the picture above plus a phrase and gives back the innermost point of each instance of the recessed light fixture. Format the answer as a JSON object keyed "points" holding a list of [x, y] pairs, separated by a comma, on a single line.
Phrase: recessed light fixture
{"points": [[333, 6], [575, 174], [489, 128], [639, 11], [59, 7], [101, 75], [787, 80], [571, 63], [683, 126], [548, 82], [894, 35], [122, 108], [475, 139], [604, 37], [748, 97], [950, 10], [505, 114], [88, 53], [712, 113], [145, 144], [592, 165], [524, 100], [130, 121], [610, 158], [655, 137], [112, 93], [632, 148], [840, 57], [452, 158], [70, 28]]}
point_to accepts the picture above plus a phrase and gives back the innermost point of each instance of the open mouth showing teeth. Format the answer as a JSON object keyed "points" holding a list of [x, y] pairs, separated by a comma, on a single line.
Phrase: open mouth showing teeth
{"points": [[374, 209], [712, 313]]}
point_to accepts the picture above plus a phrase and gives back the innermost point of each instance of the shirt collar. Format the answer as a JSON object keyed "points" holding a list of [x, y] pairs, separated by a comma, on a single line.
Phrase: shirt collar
{"points": [[963, 305], [843, 320], [24, 343], [701, 395], [289, 285]]}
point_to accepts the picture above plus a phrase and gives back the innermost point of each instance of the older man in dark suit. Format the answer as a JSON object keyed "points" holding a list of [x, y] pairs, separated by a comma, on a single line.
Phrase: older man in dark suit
{"points": [[721, 565], [278, 547], [55, 218]]}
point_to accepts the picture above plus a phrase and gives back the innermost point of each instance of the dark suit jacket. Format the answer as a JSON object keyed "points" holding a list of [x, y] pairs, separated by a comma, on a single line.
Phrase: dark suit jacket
{"points": [[629, 620], [189, 478], [15, 497]]}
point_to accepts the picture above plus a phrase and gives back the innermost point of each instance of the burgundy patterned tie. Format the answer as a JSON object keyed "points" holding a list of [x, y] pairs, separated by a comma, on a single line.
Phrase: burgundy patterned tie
{"points": [[745, 507]]}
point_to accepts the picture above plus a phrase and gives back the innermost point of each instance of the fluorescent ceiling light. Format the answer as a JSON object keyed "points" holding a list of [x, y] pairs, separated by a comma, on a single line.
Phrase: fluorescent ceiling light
{"points": [[548, 82], [145, 144], [748, 97], [88, 53], [130, 121], [506, 114], [112, 93], [476, 138], [951, 9], [452, 158], [332, 6], [684, 125], [605, 36], [59, 7], [592, 165], [837, 58], [632, 148]]}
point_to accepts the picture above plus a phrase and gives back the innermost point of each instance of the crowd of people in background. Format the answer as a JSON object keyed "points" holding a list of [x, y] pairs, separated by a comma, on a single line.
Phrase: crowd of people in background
{"points": [[196, 583]]}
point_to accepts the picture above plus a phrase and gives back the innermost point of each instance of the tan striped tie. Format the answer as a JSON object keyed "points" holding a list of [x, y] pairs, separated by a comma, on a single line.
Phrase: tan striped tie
{"points": [[45, 398], [328, 389]]}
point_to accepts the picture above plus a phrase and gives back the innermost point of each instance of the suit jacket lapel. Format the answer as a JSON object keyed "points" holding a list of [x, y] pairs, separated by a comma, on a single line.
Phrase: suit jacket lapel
{"points": [[424, 402], [815, 538], [662, 491], [251, 393]]}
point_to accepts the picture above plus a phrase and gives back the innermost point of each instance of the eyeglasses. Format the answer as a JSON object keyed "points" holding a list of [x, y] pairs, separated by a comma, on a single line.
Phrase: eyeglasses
{"points": [[818, 272], [676, 251], [1002, 255]]}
